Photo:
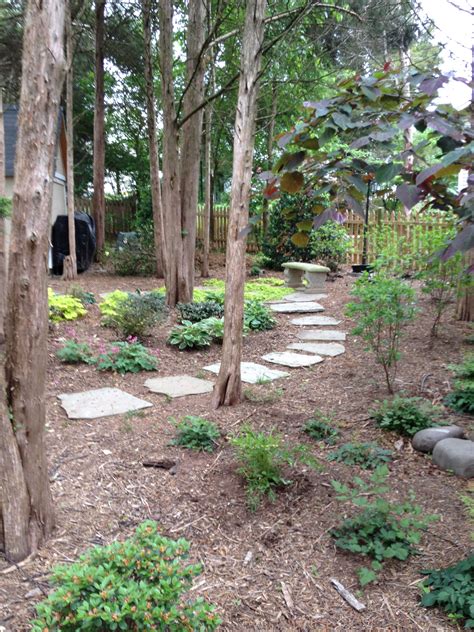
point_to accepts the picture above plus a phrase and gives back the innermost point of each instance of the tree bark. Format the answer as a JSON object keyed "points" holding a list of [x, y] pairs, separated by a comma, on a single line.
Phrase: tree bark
{"points": [[98, 201], [153, 142], [27, 508], [228, 387], [465, 304], [70, 262], [207, 193], [270, 145], [3, 237]]}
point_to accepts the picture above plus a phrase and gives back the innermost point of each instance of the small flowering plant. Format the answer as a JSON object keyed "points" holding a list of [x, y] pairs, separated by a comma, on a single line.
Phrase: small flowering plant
{"points": [[127, 357], [136, 585]]}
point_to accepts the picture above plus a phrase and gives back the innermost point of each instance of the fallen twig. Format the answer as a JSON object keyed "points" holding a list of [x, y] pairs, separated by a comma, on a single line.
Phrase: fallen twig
{"points": [[347, 596]]}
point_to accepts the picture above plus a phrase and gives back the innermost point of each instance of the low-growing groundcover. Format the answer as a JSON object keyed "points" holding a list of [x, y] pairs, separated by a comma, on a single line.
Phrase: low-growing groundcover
{"points": [[139, 584], [64, 307], [406, 415], [196, 433], [461, 398], [452, 589], [123, 357]]}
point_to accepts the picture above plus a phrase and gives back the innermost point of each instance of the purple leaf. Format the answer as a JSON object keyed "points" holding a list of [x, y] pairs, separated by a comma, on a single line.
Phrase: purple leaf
{"points": [[463, 242], [245, 231], [329, 213], [285, 139], [360, 142], [430, 86], [443, 127], [409, 195], [427, 173], [266, 175], [354, 205], [408, 120]]}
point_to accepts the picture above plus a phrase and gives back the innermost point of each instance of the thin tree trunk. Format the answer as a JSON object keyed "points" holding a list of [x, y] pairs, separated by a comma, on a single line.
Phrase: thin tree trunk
{"points": [[207, 193], [270, 144], [228, 387], [27, 508], [3, 236], [153, 142], [70, 262], [98, 202]]}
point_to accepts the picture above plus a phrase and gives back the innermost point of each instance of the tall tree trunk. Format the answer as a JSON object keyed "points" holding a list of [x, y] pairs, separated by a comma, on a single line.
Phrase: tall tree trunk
{"points": [[207, 193], [98, 203], [228, 387], [70, 262], [153, 142], [3, 236], [270, 145], [26, 503]]}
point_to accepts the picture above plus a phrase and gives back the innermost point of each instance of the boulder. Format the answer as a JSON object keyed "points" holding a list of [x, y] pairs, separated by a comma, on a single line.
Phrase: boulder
{"points": [[425, 440], [456, 455]]}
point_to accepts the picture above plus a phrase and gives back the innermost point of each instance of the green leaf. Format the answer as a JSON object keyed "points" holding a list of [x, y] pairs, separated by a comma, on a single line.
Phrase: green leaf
{"points": [[386, 173], [366, 576], [292, 181]]}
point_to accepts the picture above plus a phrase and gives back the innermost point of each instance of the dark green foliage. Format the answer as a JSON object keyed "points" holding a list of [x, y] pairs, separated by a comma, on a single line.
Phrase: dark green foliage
{"points": [[137, 257], [127, 357], [406, 415], [461, 398], [196, 433], [262, 457], [139, 584], [368, 455], [255, 270], [330, 244], [5, 207], [258, 317], [452, 589], [319, 428], [190, 336], [137, 314], [75, 352], [195, 312], [86, 298]]}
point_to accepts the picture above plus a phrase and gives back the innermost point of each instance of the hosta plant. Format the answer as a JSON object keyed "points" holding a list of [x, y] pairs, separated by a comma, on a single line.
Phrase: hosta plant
{"points": [[190, 335], [258, 317]]}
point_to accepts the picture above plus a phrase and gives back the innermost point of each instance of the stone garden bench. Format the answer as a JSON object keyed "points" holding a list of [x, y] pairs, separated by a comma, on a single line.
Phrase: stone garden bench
{"points": [[314, 274]]}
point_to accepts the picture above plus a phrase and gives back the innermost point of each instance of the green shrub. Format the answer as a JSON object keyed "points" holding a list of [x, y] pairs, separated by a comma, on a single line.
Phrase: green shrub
{"points": [[262, 457], [139, 584], [136, 314], [135, 258], [255, 270], [86, 298], [330, 244], [452, 589], [381, 530], [383, 307], [257, 317], [461, 398], [108, 307], [319, 428], [215, 328], [368, 455], [195, 312], [406, 415], [465, 370], [127, 357], [73, 352], [196, 433], [64, 307], [190, 336]]}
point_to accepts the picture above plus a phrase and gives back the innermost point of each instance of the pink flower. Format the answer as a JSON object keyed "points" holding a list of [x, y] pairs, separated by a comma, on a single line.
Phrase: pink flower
{"points": [[114, 349], [132, 339]]}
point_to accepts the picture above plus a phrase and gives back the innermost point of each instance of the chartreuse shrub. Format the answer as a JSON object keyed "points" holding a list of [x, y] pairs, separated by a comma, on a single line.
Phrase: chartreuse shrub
{"points": [[461, 397], [406, 415], [136, 585], [262, 458], [319, 428], [452, 590], [367, 455], [196, 433], [64, 307], [108, 307], [73, 352], [262, 289], [382, 530], [127, 357], [383, 306]]}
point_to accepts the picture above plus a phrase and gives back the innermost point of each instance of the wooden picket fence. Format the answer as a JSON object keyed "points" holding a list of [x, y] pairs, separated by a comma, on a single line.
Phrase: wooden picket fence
{"points": [[219, 223], [119, 214]]}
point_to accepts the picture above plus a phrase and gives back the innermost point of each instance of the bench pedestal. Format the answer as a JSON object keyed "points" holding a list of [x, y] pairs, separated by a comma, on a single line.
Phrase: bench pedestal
{"points": [[316, 282], [294, 279]]}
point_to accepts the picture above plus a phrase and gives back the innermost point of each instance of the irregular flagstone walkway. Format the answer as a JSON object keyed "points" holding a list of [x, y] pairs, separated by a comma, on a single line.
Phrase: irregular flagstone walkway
{"points": [[321, 334], [315, 320], [323, 348], [293, 360], [179, 385], [251, 372], [305, 307], [301, 297], [100, 402]]}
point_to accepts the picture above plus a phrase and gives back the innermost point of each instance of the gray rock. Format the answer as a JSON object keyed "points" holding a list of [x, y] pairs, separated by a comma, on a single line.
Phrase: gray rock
{"points": [[321, 348], [179, 385], [315, 320], [251, 372], [425, 440], [293, 360], [303, 308], [100, 402], [456, 455], [301, 297], [321, 334]]}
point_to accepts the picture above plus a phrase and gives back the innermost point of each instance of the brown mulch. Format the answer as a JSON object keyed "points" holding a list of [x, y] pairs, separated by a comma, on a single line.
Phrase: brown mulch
{"points": [[268, 570]]}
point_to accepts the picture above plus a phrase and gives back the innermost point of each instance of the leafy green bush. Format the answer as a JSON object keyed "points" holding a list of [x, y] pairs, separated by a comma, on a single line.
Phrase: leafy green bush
{"points": [[383, 307], [262, 457], [127, 357], [406, 415], [64, 307], [368, 455], [139, 584], [215, 328], [135, 314], [190, 336], [135, 258], [196, 433], [452, 589], [73, 352], [319, 428], [382, 530], [461, 398], [195, 312], [330, 244], [258, 317], [86, 298]]}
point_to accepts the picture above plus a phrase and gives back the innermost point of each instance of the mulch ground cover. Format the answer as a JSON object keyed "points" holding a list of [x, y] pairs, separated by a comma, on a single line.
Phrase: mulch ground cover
{"points": [[270, 569]]}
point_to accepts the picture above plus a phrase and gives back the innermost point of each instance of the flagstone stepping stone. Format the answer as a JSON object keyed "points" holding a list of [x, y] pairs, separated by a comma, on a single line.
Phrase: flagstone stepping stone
{"points": [[300, 297], [456, 455], [321, 334], [179, 385], [315, 320], [100, 402], [426, 439], [287, 308], [251, 372], [323, 348], [293, 360]]}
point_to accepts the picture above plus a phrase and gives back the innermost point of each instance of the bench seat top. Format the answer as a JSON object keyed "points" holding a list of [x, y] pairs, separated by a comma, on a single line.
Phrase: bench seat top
{"points": [[305, 267]]}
